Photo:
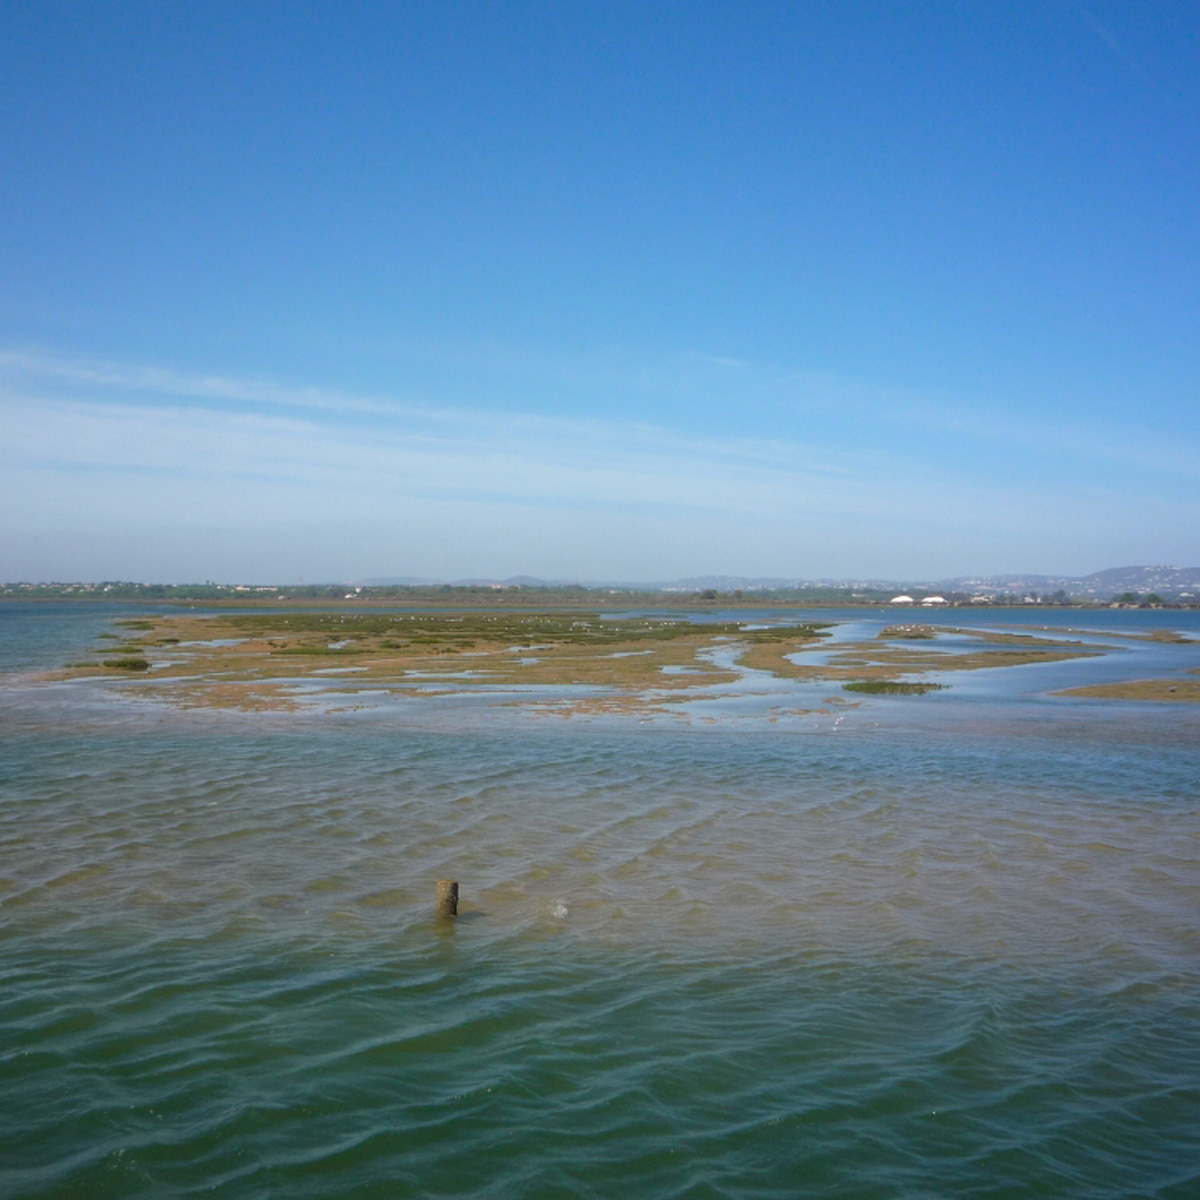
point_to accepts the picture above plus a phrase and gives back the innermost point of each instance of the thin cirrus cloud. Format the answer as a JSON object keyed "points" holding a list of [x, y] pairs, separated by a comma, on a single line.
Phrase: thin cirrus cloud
{"points": [[136, 419], [306, 477], [854, 419]]}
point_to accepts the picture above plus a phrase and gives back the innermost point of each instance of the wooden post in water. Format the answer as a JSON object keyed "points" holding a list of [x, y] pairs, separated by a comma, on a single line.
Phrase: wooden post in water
{"points": [[447, 901]]}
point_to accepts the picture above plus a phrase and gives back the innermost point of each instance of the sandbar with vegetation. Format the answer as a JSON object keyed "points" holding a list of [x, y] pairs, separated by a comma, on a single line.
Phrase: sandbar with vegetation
{"points": [[247, 660], [1169, 691], [881, 659], [267, 660]]}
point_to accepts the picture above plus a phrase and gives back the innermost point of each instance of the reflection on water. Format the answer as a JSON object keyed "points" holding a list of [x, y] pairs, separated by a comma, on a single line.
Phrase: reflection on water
{"points": [[939, 947]]}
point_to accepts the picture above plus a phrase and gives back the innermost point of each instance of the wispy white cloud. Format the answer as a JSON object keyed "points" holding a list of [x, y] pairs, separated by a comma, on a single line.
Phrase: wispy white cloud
{"points": [[587, 465], [107, 393], [844, 414], [110, 378], [129, 449], [1120, 50]]}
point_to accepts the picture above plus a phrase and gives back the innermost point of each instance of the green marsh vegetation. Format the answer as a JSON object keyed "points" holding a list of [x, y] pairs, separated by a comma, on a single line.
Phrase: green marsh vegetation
{"points": [[250, 659], [366, 632], [882, 659], [254, 659], [890, 687], [332, 650], [631, 657]]}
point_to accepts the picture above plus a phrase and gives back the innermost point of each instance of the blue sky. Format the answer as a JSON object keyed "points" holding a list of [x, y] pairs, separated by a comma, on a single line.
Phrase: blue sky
{"points": [[309, 291]]}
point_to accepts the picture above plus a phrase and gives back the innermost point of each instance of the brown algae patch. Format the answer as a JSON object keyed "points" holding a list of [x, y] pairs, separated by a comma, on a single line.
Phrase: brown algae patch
{"points": [[244, 697]]}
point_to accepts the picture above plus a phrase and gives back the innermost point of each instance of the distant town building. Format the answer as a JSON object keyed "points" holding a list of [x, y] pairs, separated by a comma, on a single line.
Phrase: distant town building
{"points": [[901, 600], [932, 600]]}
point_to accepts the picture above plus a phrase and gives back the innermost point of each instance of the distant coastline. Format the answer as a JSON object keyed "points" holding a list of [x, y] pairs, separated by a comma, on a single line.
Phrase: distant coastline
{"points": [[900, 598]]}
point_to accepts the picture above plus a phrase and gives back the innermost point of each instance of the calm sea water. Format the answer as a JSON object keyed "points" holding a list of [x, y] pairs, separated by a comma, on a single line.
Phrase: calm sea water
{"points": [[943, 946]]}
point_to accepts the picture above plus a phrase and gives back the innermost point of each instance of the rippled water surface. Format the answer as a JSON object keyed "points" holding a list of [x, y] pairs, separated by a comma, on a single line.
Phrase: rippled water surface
{"points": [[928, 947]]}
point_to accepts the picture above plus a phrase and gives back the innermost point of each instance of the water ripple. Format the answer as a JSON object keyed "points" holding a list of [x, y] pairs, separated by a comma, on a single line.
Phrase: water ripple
{"points": [[900, 964]]}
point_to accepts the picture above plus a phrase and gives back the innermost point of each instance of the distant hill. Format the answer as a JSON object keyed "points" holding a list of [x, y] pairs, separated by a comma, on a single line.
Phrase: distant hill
{"points": [[401, 581], [1146, 579], [1172, 584], [1168, 582]]}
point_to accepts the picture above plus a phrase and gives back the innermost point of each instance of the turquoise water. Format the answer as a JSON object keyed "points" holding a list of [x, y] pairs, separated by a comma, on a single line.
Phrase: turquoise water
{"points": [[924, 947]]}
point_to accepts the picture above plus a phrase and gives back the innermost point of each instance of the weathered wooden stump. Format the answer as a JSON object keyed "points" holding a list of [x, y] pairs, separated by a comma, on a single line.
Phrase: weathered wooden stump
{"points": [[447, 898]]}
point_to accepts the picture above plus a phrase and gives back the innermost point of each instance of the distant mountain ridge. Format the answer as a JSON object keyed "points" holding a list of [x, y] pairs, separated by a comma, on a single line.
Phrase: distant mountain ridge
{"points": [[1165, 580]]}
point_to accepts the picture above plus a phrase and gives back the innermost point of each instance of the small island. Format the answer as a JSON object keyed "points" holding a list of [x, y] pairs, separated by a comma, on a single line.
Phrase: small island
{"points": [[616, 662]]}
